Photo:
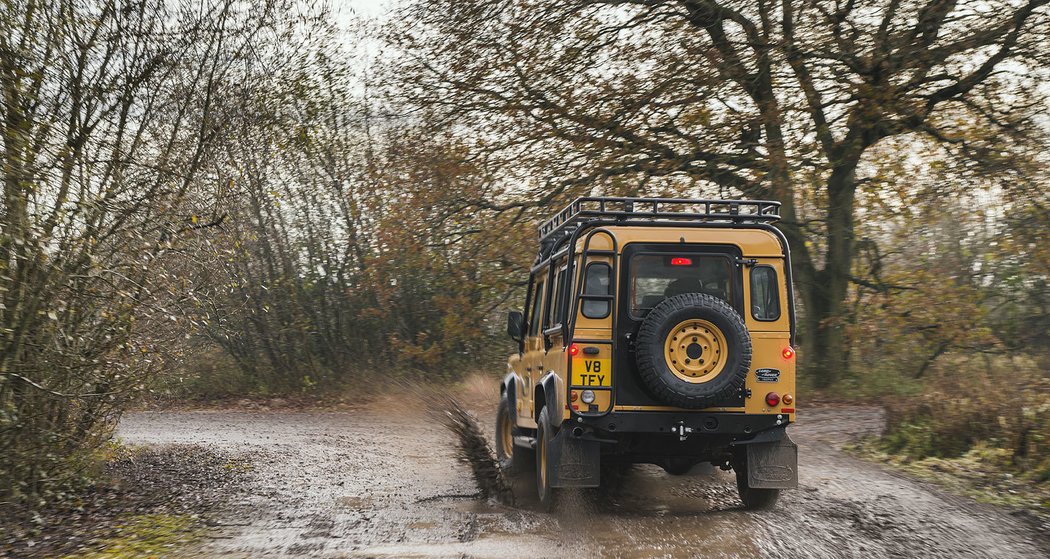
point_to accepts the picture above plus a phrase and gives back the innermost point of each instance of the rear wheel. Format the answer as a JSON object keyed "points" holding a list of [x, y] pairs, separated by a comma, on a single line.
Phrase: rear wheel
{"points": [[752, 497], [513, 460], [545, 492]]}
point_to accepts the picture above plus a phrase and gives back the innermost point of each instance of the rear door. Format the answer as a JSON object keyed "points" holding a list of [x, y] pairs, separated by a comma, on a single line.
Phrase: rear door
{"points": [[649, 273]]}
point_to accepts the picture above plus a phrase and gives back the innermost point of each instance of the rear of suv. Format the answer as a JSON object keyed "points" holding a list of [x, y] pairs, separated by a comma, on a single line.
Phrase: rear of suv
{"points": [[654, 331]]}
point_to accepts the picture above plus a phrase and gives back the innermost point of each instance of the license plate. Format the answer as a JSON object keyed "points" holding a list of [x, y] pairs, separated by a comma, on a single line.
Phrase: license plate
{"points": [[591, 372]]}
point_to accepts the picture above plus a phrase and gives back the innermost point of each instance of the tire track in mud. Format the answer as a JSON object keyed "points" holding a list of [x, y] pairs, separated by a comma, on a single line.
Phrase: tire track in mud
{"points": [[372, 483]]}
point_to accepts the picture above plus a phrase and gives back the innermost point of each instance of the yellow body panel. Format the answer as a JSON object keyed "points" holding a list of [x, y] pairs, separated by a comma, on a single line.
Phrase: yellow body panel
{"points": [[753, 243]]}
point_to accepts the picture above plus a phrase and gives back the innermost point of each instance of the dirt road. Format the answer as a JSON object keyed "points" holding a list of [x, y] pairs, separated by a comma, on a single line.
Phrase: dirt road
{"points": [[367, 484]]}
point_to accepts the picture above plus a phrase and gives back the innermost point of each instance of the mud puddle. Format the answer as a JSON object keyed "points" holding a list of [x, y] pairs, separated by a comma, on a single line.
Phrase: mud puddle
{"points": [[368, 483]]}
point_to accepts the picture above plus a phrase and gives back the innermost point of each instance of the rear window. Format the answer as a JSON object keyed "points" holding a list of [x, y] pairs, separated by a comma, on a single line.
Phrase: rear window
{"points": [[596, 283], [655, 277], [765, 297]]}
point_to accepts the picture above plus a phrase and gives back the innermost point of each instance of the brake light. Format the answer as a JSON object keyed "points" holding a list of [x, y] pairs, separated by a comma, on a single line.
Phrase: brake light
{"points": [[788, 353], [772, 399], [574, 349], [679, 261]]}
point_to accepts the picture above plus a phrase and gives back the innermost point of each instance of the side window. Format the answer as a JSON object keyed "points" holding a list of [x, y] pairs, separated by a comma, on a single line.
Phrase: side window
{"points": [[596, 283], [557, 305], [765, 296], [563, 294], [537, 304]]}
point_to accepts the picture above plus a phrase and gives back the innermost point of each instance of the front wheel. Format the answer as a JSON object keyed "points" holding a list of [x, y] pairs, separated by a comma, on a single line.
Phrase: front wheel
{"points": [[752, 497], [513, 460], [546, 493]]}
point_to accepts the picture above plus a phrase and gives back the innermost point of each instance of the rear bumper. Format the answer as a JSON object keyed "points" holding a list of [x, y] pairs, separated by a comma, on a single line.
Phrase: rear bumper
{"points": [[670, 439], [693, 423]]}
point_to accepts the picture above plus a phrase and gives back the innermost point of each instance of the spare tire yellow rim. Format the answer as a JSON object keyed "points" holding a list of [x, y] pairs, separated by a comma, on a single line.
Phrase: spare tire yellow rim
{"points": [[696, 350]]}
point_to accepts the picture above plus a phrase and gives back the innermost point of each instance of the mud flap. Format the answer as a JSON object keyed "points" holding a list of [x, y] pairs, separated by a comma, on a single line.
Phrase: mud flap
{"points": [[574, 462], [773, 465]]}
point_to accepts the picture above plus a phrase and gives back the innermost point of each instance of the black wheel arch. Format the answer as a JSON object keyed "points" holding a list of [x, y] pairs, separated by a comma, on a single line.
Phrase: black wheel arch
{"points": [[509, 387], [546, 391]]}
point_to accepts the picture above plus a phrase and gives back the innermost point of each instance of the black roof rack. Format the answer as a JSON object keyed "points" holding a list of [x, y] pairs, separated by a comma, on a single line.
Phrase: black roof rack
{"points": [[626, 210]]}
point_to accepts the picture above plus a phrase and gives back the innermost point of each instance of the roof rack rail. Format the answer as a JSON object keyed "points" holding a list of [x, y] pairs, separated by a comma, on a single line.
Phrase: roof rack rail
{"points": [[686, 210]]}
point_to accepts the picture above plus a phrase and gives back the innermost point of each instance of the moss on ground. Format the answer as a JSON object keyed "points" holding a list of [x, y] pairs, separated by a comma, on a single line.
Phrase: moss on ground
{"points": [[982, 473], [145, 536]]}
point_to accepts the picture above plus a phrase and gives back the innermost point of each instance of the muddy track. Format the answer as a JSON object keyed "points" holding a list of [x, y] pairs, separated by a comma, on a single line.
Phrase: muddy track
{"points": [[367, 484]]}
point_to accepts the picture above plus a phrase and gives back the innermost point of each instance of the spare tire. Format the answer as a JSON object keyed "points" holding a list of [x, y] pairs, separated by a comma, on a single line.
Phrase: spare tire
{"points": [[693, 351]]}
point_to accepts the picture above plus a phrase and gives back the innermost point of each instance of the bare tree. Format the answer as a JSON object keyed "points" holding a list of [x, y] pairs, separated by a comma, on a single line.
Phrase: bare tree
{"points": [[767, 99], [109, 115]]}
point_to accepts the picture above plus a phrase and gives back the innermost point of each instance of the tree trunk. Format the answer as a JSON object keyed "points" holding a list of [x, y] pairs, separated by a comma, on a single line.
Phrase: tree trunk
{"points": [[824, 353], [825, 348]]}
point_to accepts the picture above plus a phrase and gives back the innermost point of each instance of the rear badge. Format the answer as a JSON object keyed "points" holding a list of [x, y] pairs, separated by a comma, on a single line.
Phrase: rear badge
{"points": [[767, 375]]}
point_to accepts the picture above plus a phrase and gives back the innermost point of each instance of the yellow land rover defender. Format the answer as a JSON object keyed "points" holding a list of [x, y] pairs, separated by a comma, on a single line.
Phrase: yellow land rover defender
{"points": [[655, 331]]}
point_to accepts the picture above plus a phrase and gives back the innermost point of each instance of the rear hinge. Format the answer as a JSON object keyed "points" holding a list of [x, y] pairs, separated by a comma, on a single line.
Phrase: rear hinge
{"points": [[746, 261], [629, 338]]}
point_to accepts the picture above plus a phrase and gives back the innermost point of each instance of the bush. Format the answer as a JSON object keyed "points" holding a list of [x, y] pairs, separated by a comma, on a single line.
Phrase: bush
{"points": [[976, 400]]}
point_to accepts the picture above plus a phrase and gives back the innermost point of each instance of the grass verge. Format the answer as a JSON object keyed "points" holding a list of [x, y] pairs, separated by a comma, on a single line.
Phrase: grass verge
{"points": [[148, 502], [145, 536], [978, 425], [982, 474]]}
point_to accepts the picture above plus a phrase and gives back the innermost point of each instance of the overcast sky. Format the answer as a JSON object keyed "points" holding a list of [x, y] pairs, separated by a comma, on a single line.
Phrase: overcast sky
{"points": [[367, 8]]}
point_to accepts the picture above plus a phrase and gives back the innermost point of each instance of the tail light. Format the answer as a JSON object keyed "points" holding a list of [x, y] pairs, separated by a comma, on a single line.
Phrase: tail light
{"points": [[574, 350], [772, 399]]}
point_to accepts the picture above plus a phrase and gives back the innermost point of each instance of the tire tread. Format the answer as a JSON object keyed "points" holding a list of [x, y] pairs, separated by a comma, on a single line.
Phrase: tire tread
{"points": [[650, 362]]}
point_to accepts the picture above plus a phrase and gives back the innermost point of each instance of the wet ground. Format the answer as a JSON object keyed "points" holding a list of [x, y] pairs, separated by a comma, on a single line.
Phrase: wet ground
{"points": [[369, 483]]}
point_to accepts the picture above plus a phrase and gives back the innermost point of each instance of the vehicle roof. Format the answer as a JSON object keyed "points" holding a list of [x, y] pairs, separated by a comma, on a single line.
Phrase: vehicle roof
{"points": [[757, 242], [637, 211], [753, 242], [666, 220]]}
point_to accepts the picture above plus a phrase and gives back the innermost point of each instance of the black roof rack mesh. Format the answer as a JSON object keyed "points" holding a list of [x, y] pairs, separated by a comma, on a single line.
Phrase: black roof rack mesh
{"points": [[625, 210]]}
